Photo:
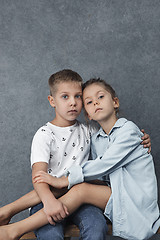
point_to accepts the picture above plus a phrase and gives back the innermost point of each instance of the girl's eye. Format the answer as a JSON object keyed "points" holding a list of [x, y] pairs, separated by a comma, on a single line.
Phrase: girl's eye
{"points": [[89, 102], [100, 96]]}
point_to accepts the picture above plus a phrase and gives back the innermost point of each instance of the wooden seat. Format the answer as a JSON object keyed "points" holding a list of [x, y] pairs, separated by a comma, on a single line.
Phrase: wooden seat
{"points": [[71, 230]]}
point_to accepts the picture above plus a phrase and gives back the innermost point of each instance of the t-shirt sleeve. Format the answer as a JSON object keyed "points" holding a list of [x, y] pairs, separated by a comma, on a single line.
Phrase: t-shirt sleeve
{"points": [[41, 145]]}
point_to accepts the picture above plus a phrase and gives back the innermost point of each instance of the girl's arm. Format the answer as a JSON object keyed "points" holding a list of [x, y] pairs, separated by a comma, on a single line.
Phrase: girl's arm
{"points": [[120, 153], [43, 177]]}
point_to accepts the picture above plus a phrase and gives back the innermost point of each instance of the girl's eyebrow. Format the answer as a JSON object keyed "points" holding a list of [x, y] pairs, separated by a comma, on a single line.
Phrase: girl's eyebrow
{"points": [[100, 91], [86, 98], [96, 93]]}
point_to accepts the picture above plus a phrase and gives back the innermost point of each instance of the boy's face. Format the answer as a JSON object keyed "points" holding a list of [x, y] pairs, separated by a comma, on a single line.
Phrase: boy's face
{"points": [[67, 102]]}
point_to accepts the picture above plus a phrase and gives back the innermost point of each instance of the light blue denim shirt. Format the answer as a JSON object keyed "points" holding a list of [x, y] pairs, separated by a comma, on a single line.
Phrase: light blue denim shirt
{"points": [[120, 157]]}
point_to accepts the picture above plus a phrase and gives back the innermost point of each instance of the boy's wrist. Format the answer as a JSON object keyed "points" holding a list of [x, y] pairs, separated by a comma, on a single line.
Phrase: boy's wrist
{"points": [[48, 198]]}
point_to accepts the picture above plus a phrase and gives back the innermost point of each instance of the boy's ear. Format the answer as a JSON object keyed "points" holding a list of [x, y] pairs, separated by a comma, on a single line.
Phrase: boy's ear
{"points": [[51, 101], [116, 102]]}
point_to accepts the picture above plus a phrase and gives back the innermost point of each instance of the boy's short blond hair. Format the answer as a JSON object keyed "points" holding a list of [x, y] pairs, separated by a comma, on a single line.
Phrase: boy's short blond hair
{"points": [[65, 75]]}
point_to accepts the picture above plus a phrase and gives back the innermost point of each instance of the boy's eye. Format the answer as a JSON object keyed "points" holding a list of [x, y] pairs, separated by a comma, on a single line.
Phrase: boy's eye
{"points": [[65, 96], [78, 96]]}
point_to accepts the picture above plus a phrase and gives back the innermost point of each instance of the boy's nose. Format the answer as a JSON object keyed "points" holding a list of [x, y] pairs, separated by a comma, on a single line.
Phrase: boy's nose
{"points": [[73, 102]]}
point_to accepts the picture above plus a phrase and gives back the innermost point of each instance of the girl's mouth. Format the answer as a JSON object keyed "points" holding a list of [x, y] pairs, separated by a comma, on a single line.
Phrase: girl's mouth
{"points": [[98, 109]]}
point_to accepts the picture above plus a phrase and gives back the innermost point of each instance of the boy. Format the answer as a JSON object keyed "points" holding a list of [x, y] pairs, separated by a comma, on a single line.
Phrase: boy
{"points": [[65, 142], [56, 146]]}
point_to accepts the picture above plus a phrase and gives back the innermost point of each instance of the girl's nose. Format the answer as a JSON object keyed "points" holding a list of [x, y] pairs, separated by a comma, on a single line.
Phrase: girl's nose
{"points": [[96, 102]]}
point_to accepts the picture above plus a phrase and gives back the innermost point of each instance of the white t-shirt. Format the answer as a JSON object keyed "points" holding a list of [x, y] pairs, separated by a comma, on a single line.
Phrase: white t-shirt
{"points": [[61, 147]]}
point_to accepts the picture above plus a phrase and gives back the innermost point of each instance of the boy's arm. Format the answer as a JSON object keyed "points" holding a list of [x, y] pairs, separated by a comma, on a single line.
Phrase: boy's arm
{"points": [[53, 208]]}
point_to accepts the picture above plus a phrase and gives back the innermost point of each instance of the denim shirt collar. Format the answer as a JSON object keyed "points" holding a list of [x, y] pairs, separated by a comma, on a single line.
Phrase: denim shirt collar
{"points": [[119, 123]]}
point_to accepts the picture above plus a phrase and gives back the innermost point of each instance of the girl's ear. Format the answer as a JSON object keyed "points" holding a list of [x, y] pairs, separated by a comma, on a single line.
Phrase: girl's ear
{"points": [[116, 102], [51, 101]]}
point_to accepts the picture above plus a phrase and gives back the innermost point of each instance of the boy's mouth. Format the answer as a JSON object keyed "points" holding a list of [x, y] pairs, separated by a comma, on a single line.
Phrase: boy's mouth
{"points": [[72, 111]]}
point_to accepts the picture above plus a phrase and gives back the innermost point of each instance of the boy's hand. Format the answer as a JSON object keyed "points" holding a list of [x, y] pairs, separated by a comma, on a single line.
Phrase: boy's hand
{"points": [[55, 211], [43, 177], [146, 141]]}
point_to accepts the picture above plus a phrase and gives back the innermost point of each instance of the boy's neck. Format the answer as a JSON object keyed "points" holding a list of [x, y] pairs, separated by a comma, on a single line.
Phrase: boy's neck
{"points": [[63, 123]]}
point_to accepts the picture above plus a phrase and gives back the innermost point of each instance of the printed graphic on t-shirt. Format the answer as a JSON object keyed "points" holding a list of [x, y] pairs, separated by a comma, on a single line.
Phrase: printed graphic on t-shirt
{"points": [[61, 148]]}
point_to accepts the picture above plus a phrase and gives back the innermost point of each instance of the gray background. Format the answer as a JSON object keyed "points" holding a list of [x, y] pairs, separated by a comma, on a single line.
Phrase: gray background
{"points": [[117, 40]]}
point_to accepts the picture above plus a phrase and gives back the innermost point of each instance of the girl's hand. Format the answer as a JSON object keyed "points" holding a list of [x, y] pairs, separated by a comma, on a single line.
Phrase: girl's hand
{"points": [[146, 141], [43, 177]]}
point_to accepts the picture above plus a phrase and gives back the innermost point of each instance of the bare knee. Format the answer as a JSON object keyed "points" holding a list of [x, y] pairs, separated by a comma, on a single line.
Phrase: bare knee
{"points": [[81, 191]]}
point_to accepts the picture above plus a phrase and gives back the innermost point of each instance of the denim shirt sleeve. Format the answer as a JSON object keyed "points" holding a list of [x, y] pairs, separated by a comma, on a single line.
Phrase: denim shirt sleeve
{"points": [[127, 139], [75, 175]]}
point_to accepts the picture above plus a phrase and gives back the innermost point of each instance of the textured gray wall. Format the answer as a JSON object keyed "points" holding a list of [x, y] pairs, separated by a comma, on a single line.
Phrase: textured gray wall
{"points": [[118, 40]]}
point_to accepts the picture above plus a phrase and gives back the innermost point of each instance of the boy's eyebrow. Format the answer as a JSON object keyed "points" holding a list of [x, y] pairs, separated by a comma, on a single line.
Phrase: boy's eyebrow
{"points": [[68, 92]]}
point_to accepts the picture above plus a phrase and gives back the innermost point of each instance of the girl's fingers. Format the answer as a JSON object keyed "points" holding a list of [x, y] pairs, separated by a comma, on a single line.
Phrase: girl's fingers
{"points": [[40, 173], [149, 150], [146, 143], [39, 180], [146, 137]]}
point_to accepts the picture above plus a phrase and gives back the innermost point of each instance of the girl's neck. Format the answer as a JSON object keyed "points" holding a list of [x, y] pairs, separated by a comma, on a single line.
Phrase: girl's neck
{"points": [[108, 124]]}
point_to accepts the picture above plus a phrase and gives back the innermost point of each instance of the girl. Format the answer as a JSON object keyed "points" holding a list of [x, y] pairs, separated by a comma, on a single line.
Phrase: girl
{"points": [[129, 195]]}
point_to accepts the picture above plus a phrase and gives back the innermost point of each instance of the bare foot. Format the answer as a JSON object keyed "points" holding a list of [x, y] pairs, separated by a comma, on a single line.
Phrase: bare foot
{"points": [[7, 233], [5, 216]]}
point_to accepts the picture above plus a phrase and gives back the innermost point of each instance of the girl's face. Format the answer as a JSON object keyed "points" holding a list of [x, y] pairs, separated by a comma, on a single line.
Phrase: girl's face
{"points": [[98, 103]]}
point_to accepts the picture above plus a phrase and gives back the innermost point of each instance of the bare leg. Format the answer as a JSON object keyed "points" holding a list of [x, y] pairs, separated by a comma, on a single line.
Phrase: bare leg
{"points": [[28, 200], [8, 211], [86, 193], [82, 193], [16, 230]]}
